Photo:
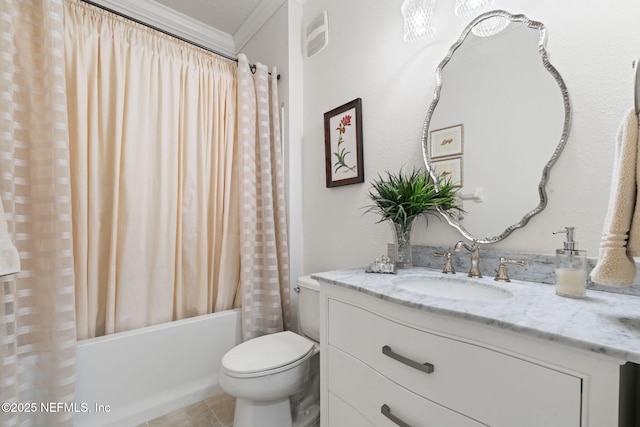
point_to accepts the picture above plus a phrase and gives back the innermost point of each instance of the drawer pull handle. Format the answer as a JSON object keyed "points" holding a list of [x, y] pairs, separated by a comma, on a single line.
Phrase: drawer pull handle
{"points": [[386, 411], [424, 367]]}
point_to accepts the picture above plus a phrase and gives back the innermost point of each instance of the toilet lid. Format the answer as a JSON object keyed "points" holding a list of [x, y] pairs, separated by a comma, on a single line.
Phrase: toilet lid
{"points": [[266, 353]]}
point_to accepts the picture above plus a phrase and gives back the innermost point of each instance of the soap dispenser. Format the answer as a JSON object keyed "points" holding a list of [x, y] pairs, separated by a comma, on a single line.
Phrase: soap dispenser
{"points": [[571, 268]]}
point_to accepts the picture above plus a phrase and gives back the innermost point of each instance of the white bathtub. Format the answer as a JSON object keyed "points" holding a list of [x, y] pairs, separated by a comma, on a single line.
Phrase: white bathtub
{"points": [[131, 377]]}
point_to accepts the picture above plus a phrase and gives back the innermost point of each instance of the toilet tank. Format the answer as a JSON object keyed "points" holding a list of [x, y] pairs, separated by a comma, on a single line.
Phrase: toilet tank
{"points": [[309, 307]]}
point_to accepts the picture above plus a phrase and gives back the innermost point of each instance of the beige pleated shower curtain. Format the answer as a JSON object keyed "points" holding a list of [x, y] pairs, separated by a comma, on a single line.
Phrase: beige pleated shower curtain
{"points": [[37, 323], [154, 176], [177, 180]]}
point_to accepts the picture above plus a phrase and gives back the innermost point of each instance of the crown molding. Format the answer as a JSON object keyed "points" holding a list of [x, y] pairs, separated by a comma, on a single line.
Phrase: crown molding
{"points": [[258, 17], [178, 24]]}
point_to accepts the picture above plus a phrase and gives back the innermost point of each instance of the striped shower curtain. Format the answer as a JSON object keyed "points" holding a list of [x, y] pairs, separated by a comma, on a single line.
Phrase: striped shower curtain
{"points": [[264, 275], [37, 315]]}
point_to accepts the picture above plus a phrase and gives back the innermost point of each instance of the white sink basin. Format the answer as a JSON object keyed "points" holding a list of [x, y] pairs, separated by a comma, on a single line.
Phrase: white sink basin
{"points": [[450, 287]]}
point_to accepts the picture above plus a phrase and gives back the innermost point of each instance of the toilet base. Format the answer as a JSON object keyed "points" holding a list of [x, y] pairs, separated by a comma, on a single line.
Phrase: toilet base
{"points": [[251, 414], [265, 414], [308, 418]]}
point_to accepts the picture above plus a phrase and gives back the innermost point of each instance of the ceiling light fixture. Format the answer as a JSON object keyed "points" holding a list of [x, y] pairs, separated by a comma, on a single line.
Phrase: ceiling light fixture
{"points": [[467, 8], [418, 15], [485, 28]]}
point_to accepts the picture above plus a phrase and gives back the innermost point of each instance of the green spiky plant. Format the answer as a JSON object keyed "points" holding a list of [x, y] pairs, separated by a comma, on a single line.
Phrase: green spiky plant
{"points": [[402, 197]]}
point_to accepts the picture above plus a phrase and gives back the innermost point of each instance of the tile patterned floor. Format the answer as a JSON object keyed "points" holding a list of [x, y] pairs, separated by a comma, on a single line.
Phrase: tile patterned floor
{"points": [[215, 411]]}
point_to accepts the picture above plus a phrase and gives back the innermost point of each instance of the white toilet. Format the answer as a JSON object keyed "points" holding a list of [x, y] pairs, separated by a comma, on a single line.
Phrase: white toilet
{"points": [[275, 378]]}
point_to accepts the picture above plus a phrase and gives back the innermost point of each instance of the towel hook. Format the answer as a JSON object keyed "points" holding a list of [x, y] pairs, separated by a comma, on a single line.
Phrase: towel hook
{"points": [[636, 87]]}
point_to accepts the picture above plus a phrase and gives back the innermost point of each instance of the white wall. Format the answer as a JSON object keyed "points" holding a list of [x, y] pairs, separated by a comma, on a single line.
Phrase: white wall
{"points": [[591, 43]]}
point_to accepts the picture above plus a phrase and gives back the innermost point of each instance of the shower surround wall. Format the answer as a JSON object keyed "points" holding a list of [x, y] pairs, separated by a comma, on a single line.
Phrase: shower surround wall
{"points": [[131, 377]]}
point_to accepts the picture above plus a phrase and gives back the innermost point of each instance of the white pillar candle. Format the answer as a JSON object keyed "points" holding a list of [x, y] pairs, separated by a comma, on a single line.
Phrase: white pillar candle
{"points": [[571, 282]]}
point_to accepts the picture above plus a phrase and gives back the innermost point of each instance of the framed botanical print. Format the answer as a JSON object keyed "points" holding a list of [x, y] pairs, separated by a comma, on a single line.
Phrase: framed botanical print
{"points": [[343, 144]]}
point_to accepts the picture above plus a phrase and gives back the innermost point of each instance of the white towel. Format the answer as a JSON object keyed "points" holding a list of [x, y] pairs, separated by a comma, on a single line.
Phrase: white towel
{"points": [[9, 259], [621, 232]]}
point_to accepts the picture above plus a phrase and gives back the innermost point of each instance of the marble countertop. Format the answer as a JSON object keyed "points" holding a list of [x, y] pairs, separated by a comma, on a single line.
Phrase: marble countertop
{"points": [[603, 322]]}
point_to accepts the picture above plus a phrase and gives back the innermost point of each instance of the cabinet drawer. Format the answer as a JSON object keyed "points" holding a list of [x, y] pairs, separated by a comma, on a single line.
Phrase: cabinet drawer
{"points": [[367, 391], [487, 385]]}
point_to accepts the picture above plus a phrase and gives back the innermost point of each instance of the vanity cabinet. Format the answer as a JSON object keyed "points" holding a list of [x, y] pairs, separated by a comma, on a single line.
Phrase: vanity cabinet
{"points": [[383, 364], [486, 385]]}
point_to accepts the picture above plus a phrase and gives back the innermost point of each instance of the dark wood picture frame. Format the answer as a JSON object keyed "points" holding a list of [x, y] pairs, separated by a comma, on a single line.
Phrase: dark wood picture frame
{"points": [[343, 144]]}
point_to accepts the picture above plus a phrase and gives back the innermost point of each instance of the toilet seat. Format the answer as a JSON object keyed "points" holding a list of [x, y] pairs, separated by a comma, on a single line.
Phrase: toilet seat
{"points": [[267, 355]]}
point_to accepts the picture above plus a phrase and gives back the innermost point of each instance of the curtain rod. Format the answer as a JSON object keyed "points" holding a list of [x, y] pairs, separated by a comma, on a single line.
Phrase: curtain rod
{"points": [[252, 67]]}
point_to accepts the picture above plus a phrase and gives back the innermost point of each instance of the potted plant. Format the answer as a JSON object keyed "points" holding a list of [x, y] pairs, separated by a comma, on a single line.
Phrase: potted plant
{"points": [[401, 198]]}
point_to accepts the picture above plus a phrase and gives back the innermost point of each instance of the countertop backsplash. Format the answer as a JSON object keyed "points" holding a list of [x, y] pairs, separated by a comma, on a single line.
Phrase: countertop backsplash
{"points": [[538, 268]]}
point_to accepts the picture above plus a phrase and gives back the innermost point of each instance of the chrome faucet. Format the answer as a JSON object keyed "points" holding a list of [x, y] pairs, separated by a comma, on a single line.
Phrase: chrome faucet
{"points": [[474, 271], [501, 274]]}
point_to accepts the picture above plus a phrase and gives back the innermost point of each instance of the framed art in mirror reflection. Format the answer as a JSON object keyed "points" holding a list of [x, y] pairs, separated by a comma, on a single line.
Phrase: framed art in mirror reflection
{"points": [[449, 169], [447, 142]]}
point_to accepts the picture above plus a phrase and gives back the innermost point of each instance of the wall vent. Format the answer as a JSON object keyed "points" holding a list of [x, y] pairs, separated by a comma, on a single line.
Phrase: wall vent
{"points": [[316, 35]]}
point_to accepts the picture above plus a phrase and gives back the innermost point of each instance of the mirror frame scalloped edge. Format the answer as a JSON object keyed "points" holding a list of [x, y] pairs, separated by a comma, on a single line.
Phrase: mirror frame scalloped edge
{"points": [[563, 139]]}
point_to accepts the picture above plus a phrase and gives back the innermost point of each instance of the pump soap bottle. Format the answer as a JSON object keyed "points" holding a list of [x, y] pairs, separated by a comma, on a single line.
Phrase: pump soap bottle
{"points": [[571, 268]]}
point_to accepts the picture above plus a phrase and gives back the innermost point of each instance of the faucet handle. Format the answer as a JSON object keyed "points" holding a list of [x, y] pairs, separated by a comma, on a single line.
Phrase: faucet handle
{"points": [[448, 265], [501, 275]]}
